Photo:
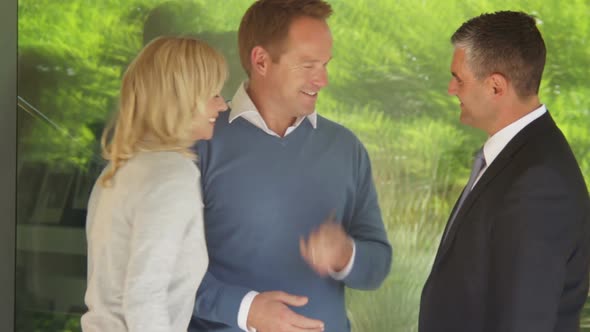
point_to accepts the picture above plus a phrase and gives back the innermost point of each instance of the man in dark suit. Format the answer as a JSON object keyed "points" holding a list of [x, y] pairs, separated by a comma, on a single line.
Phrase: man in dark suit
{"points": [[516, 250]]}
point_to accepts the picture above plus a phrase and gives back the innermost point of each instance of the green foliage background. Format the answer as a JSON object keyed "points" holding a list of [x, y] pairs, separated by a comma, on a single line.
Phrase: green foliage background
{"points": [[388, 84]]}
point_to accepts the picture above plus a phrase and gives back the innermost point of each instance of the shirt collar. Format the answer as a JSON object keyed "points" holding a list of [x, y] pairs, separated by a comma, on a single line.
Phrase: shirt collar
{"points": [[242, 106], [496, 143]]}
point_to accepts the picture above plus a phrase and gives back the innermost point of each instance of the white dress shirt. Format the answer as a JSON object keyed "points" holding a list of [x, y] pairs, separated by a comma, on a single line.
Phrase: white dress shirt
{"points": [[496, 143]]}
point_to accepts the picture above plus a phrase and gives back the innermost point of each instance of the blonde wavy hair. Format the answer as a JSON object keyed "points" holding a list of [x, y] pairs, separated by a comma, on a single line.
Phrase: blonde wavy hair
{"points": [[170, 80]]}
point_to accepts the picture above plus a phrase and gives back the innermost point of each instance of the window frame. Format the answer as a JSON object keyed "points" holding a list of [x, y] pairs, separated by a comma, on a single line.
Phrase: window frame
{"points": [[8, 143]]}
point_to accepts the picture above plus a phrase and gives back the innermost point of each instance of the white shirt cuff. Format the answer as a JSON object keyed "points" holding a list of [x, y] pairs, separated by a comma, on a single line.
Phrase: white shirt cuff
{"points": [[244, 310], [346, 270]]}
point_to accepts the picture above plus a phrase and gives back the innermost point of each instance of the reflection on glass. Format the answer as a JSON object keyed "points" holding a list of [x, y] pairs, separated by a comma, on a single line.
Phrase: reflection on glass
{"points": [[51, 249]]}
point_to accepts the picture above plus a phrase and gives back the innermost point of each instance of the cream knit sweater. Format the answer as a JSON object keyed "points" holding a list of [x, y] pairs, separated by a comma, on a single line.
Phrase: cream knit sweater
{"points": [[146, 246]]}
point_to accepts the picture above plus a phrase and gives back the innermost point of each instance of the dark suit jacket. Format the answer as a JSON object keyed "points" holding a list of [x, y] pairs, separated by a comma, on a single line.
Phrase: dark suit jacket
{"points": [[516, 258]]}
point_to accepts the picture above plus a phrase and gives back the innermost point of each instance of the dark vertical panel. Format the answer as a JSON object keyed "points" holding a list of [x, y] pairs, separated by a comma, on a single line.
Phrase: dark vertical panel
{"points": [[8, 45]]}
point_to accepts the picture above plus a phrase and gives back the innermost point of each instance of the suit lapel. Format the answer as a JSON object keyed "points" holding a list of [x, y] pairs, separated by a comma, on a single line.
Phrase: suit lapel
{"points": [[502, 160]]}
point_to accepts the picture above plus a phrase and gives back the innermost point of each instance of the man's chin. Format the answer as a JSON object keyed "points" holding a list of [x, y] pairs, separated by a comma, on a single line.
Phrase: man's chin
{"points": [[465, 119], [307, 111]]}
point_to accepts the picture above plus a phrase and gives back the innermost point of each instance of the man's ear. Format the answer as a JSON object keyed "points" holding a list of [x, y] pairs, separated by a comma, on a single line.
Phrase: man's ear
{"points": [[498, 84], [259, 59]]}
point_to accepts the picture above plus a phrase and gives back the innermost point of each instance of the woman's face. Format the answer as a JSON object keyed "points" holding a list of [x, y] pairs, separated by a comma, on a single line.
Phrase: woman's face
{"points": [[204, 123]]}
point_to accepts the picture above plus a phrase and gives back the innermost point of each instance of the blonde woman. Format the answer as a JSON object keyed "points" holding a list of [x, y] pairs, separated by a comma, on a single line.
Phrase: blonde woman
{"points": [[146, 245]]}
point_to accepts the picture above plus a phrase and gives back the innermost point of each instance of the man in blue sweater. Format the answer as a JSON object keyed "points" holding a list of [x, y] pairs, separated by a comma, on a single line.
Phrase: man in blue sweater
{"points": [[291, 211]]}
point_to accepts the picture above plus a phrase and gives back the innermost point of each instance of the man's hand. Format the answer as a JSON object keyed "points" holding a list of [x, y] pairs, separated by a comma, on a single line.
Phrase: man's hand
{"points": [[327, 249], [269, 312]]}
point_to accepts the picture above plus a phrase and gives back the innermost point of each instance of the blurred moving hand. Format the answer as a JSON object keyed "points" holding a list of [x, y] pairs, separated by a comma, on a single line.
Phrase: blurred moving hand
{"points": [[328, 249]]}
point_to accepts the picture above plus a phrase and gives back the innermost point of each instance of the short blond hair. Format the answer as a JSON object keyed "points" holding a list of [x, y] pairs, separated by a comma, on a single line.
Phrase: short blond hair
{"points": [[169, 81], [266, 23]]}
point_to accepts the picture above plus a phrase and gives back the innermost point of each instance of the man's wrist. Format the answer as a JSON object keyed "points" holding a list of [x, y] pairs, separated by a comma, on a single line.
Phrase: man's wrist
{"points": [[340, 274], [244, 311]]}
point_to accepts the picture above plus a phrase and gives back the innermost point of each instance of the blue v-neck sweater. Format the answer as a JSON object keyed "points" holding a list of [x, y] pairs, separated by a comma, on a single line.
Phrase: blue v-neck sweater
{"points": [[261, 194]]}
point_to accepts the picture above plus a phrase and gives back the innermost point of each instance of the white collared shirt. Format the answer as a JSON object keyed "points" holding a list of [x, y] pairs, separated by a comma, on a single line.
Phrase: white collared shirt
{"points": [[242, 106], [496, 143]]}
